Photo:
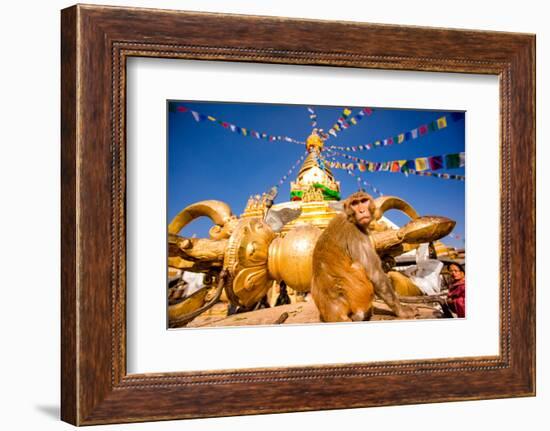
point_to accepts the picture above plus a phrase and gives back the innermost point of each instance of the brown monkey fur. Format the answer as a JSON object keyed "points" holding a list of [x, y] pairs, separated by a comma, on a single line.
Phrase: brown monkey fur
{"points": [[347, 271]]}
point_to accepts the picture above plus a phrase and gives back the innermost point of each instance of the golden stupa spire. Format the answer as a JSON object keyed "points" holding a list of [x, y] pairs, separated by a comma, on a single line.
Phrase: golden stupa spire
{"points": [[313, 175], [314, 142]]}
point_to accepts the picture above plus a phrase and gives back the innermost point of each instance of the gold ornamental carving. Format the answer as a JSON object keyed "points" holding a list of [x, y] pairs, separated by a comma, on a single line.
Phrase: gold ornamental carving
{"points": [[245, 260], [312, 194]]}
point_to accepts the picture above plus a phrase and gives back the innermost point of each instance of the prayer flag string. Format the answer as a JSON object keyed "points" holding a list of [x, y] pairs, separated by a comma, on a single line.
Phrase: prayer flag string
{"points": [[416, 166], [244, 131], [292, 169], [312, 117], [360, 180], [419, 131], [346, 120]]}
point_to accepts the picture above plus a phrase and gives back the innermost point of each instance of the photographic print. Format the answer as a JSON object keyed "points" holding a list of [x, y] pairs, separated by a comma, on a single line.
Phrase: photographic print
{"points": [[305, 214]]}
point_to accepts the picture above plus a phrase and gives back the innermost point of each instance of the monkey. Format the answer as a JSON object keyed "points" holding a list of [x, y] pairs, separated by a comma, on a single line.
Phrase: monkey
{"points": [[347, 271]]}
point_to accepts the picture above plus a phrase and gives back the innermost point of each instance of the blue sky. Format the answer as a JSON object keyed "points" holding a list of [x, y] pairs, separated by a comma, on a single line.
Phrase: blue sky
{"points": [[207, 161]]}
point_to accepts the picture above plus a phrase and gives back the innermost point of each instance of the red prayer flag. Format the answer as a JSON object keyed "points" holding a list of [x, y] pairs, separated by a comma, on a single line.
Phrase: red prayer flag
{"points": [[395, 167], [422, 130], [436, 162]]}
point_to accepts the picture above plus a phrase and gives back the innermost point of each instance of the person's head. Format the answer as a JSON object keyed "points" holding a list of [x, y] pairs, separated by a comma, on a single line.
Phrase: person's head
{"points": [[456, 271]]}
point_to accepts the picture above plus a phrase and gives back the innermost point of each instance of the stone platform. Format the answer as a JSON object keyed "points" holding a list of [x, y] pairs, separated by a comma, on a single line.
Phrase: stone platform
{"points": [[297, 313]]}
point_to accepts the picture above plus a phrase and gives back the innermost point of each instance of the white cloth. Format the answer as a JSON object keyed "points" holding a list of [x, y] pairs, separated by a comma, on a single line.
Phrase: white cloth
{"points": [[425, 274], [195, 281]]}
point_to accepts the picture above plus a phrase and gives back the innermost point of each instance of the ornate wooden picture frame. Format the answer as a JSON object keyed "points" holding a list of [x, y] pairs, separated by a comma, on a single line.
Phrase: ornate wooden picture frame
{"points": [[96, 42]]}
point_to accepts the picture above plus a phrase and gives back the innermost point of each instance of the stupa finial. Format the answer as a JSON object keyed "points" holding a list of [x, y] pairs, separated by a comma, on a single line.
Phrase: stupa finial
{"points": [[314, 142]]}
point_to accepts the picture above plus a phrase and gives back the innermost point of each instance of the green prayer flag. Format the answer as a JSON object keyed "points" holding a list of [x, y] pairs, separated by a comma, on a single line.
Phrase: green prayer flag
{"points": [[452, 161]]}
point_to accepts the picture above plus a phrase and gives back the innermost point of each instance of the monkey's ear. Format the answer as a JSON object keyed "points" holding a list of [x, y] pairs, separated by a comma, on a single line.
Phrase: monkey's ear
{"points": [[277, 219], [336, 205]]}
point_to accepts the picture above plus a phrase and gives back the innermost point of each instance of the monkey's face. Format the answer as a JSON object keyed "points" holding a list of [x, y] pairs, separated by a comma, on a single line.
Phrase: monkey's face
{"points": [[360, 209]]}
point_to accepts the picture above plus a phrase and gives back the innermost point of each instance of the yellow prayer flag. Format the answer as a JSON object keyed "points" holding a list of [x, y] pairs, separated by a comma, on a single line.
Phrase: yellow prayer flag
{"points": [[353, 121], [421, 163], [211, 118], [402, 162], [347, 112], [400, 138], [441, 123]]}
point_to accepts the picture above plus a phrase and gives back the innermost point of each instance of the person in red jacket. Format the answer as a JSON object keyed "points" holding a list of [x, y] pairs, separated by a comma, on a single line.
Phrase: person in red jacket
{"points": [[456, 297]]}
